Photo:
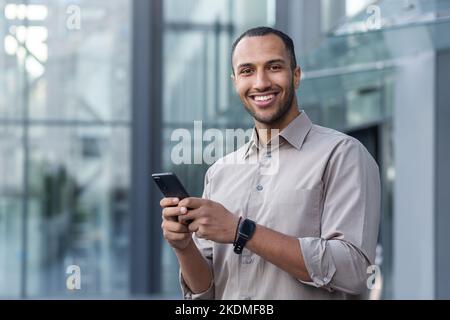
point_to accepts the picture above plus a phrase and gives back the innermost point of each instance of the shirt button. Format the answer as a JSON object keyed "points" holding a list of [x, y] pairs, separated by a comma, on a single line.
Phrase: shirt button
{"points": [[325, 280], [248, 260], [260, 188]]}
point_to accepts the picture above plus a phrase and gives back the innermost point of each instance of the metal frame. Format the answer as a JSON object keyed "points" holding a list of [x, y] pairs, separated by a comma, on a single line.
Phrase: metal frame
{"points": [[25, 209], [145, 233], [442, 176]]}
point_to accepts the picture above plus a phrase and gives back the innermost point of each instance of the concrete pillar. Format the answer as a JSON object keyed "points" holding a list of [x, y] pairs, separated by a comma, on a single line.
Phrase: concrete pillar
{"points": [[415, 159]]}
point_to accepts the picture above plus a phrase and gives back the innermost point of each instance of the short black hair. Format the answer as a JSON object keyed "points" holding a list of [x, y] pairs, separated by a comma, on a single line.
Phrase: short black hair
{"points": [[262, 31]]}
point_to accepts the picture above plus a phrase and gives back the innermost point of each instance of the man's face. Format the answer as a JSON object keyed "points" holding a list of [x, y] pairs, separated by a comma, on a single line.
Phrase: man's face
{"points": [[263, 77]]}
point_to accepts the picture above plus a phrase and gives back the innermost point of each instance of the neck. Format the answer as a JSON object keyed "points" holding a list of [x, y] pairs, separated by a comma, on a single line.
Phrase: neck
{"points": [[264, 130]]}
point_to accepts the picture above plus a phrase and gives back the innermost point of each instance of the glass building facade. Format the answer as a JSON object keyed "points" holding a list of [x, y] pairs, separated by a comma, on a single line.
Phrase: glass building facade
{"points": [[93, 93], [65, 146]]}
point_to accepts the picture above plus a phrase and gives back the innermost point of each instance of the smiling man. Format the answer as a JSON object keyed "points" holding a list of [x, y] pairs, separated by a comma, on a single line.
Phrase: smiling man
{"points": [[308, 231]]}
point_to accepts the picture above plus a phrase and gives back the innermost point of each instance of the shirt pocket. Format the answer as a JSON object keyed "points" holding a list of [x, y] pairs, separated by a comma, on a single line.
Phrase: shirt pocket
{"points": [[296, 212]]}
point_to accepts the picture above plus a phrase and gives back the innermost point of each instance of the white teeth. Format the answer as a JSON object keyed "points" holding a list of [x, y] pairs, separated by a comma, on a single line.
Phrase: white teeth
{"points": [[264, 98]]}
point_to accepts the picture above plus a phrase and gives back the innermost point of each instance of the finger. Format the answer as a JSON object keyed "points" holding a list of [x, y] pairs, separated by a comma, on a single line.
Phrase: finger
{"points": [[184, 222], [194, 226], [190, 215], [175, 236], [173, 212], [172, 226], [192, 203], [169, 202]]}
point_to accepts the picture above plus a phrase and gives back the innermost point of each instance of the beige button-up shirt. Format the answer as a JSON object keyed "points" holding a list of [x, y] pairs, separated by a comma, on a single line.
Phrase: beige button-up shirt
{"points": [[318, 185]]}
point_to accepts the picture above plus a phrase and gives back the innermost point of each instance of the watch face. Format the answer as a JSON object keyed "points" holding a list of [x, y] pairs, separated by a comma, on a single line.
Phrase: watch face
{"points": [[246, 230], [247, 227]]}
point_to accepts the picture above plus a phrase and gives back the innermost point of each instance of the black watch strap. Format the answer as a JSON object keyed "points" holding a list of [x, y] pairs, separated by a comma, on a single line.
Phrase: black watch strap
{"points": [[245, 233]]}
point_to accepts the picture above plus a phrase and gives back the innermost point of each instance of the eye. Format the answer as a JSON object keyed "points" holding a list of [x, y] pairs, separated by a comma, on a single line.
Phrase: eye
{"points": [[275, 67], [246, 71]]}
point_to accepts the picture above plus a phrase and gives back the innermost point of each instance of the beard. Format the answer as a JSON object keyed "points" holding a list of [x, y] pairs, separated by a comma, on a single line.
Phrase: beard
{"points": [[283, 109]]}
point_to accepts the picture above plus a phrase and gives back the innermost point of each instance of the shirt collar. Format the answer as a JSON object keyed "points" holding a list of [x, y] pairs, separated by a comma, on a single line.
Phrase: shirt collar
{"points": [[295, 133]]}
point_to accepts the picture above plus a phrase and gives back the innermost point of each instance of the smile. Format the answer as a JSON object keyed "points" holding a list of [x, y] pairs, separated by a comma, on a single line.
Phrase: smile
{"points": [[265, 100]]}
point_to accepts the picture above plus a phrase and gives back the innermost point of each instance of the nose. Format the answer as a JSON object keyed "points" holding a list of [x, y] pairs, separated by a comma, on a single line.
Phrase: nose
{"points": [[263, 82]]}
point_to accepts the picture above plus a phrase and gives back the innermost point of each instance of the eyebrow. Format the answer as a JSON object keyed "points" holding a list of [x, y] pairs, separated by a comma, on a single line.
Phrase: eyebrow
{"points": [[246, 65], [276, 61]]}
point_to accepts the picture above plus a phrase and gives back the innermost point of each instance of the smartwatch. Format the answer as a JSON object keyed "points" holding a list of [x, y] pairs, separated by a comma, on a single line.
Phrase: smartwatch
{"points": [[245, 233]]}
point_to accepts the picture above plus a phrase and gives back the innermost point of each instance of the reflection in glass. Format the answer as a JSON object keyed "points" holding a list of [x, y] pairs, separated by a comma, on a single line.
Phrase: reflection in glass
{"points": [[64, 146], [11, 195], [78, 209]]}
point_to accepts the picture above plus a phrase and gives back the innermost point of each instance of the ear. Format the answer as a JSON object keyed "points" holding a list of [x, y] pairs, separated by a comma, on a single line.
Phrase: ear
{"points": [[297, 77], [233, 78]]}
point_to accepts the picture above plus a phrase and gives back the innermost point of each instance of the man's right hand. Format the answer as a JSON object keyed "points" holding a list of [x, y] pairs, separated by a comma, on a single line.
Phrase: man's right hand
{"points": [[176, 234]]}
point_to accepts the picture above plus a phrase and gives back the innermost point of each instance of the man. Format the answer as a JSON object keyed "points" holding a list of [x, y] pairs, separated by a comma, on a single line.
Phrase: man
{"points": [[307, 231]]}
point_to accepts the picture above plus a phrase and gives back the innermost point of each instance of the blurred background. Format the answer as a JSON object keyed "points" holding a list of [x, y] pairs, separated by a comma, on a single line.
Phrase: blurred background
{"points": [[91, 91]]}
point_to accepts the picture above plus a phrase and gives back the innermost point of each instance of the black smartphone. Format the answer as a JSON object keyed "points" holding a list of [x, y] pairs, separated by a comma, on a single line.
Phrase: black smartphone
{"points": [[170, 186]]}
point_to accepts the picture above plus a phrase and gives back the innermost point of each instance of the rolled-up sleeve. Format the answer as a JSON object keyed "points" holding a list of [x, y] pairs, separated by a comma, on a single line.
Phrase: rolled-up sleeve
{"points": [[339, 259], [206, 249]]}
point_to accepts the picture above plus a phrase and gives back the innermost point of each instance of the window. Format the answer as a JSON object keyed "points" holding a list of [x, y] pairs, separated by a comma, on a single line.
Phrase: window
{"points": [[64, 146]]}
